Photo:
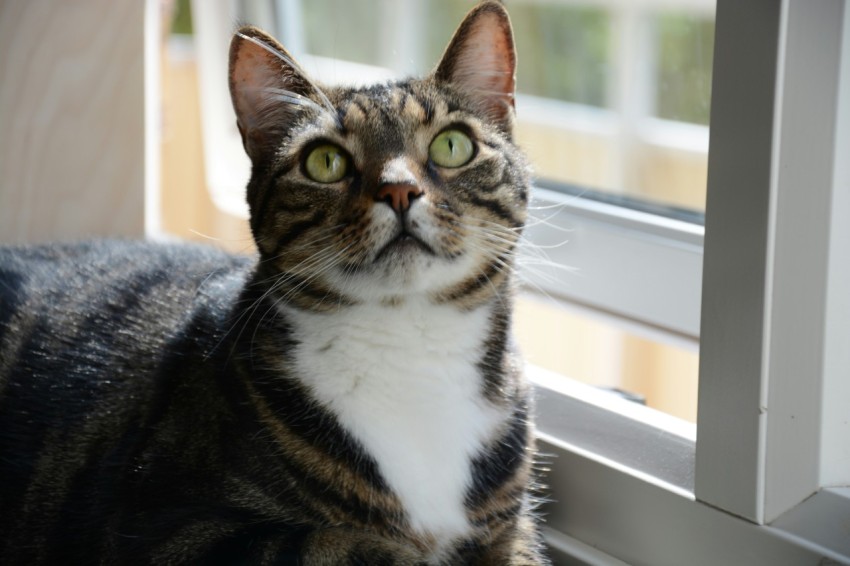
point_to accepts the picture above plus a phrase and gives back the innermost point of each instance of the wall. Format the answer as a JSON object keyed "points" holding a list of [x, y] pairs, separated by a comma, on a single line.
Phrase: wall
{"points": [[72, 119]]}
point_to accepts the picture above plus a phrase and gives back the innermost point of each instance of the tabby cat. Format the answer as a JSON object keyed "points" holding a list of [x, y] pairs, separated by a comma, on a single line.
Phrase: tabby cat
{"points": [[348, 397]]}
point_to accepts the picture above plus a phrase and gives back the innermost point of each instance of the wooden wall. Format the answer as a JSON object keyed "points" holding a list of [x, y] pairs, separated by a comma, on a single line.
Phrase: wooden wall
{"points": [[72, 119]]}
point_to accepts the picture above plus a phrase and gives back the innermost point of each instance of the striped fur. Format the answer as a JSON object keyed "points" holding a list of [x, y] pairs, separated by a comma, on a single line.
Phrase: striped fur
{"points": [[349, 397]]}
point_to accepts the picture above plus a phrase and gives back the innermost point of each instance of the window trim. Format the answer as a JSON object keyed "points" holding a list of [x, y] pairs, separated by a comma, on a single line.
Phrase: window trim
{"points": [[769, 256], [660, 258]]}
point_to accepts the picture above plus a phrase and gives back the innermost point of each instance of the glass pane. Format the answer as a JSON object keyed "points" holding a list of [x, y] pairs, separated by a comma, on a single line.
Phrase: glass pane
{"points": [[564, 52], [638, 124], [663, 377], [684, 44], [333, 28]]}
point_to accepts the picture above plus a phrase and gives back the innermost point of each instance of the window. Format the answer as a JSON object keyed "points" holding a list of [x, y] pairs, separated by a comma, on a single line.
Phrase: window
{"points": [[774, 388], [762, 287]]}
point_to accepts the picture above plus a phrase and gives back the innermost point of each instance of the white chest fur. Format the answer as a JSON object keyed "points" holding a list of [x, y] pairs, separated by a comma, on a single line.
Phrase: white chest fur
{"points": [[403, 382]]}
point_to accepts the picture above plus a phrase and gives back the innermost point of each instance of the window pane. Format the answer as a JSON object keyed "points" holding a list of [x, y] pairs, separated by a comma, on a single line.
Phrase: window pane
{"points": [[333, 28], [621, 98], [564, 52], [684, 44], [602, 355], [563, 48]]}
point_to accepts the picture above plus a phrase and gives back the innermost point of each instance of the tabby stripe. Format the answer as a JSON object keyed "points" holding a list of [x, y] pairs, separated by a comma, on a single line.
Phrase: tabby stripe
{"points": [[285, 167], [364, 498], [362, 107], [298, 228], [505, 514], [338, 121], [483, 171], [492, 364], [402, 101], [294, 408], [428, 107], [496, 208], [520, 187], [83, 480], [306, 288], [299, 207], [417, 105], [262, 210], [485, 278]]}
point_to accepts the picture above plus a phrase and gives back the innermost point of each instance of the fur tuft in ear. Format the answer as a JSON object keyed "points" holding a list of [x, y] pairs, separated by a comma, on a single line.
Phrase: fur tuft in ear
{"points": [[481, 61], [267, 88]]}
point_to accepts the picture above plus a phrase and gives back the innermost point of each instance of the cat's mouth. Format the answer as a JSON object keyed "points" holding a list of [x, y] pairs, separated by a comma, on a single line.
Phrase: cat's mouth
{"points": [[402, 245]]}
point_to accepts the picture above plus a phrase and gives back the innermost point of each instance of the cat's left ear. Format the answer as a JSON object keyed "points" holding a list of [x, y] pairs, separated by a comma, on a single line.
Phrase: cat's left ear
{"points": [[481, 61]]}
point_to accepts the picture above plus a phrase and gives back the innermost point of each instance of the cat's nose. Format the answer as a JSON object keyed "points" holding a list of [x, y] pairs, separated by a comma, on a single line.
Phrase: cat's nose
{"points": [[398, 195]]}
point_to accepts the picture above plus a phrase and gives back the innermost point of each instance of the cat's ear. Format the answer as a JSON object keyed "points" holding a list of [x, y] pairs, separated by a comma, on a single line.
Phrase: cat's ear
{"points": [[267, 89], [481, 61]]}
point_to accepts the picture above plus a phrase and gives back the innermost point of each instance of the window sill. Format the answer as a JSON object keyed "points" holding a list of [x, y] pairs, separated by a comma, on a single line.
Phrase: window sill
{"points": [[620, 475]]}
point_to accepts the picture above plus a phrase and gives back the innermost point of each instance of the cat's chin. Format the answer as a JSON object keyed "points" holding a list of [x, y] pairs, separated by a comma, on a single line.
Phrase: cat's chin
{"points": [[405, 270], [403, 249]]}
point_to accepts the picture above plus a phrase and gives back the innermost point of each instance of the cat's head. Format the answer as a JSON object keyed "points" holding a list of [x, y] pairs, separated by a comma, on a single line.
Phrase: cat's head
{"points": [[377, 194]]}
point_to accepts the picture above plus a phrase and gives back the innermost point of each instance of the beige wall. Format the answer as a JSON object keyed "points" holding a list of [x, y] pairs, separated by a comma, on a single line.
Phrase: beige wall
{"points": [[72, 122]]}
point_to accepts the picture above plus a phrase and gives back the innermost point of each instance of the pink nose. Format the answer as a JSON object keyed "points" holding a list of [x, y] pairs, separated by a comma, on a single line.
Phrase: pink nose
{"points": [[398, 196]]}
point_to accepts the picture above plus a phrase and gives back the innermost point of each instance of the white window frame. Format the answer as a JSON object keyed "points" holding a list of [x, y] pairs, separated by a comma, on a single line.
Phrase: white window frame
{"points": [[767, 482], [771, 468]]}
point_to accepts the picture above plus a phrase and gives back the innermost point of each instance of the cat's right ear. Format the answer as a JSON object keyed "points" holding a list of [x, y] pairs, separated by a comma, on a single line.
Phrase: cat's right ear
{"points": [[481, 60], [267, 88]]}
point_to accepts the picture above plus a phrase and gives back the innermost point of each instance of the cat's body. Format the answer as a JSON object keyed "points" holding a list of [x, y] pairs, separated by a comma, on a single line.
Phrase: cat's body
{"points": [[350, 398]]}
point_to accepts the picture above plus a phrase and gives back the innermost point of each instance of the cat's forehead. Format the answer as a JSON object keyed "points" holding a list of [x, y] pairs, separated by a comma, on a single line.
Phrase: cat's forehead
{"points": [[401, 106]]}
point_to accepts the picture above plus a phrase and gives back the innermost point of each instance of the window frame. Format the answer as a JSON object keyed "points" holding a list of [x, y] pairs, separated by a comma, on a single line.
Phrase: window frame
{"points": [[777, 188], [771, 471], [726, 498]]}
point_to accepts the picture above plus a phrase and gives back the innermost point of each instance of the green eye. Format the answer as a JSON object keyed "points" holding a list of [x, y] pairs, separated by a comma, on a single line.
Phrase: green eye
{"points": [[326, 164], [451, 148]]}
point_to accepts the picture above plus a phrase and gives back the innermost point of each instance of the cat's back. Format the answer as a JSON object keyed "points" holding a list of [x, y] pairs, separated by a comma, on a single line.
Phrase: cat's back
{"points": [[93, 337], [80, 308]]}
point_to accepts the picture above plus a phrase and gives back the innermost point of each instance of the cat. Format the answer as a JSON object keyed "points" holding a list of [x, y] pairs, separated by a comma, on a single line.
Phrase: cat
{"points": [[350, 396]]}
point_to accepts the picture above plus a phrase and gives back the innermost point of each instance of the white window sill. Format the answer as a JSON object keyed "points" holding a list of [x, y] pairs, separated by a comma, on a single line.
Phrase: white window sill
{"points": [[620, 478]]}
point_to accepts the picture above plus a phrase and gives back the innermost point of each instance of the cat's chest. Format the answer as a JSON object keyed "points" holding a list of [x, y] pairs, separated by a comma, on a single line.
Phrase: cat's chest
{"points": [[405, 384]]}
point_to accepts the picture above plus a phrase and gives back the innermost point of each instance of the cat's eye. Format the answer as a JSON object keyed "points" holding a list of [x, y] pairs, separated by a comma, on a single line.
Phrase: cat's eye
{"points": [[451, 148], [326, 163]]}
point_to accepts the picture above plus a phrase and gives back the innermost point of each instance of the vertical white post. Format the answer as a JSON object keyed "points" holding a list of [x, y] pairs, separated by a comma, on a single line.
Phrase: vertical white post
{"points": [[773, 379], [732, 388], [799, 244], [835, 447]]}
